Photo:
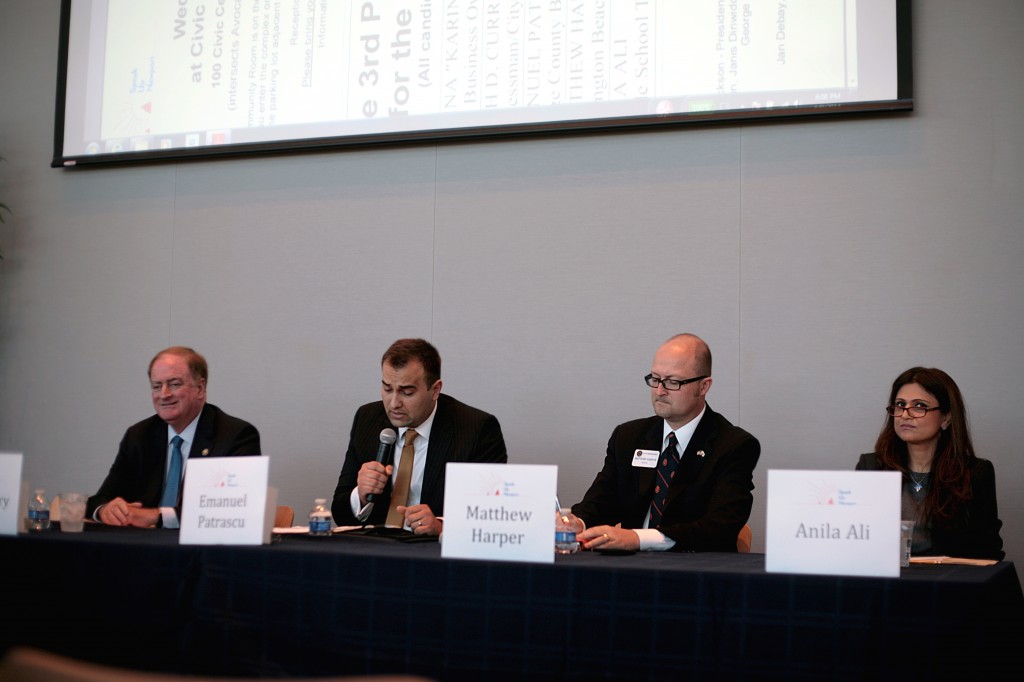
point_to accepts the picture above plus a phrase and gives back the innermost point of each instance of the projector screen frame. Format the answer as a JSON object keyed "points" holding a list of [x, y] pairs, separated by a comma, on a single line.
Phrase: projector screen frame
{"points": [[903, 103]]}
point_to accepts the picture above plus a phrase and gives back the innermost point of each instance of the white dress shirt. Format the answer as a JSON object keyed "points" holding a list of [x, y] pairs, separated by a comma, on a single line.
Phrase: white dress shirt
{"points": [[419, 466], [652, 538], [169, 515]]}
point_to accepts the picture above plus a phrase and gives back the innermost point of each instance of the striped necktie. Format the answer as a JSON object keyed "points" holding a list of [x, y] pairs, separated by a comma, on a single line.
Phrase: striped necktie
{"points": [[667, 465]]}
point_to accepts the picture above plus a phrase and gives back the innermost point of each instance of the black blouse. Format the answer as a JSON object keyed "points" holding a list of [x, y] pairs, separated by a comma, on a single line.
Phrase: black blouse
{"points": [[974, 532]]}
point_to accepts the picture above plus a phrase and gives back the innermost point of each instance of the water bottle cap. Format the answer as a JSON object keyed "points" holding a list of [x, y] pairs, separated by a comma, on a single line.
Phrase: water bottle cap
{"points": [[320, 500]]}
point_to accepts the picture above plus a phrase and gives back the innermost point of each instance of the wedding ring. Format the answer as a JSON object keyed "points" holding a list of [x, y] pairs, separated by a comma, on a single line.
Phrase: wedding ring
{"points": [[606, 538]]}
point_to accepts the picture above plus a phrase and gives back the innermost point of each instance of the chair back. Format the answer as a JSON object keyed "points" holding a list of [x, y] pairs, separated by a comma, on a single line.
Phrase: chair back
{"points": [[284, 516], [743, 540]]}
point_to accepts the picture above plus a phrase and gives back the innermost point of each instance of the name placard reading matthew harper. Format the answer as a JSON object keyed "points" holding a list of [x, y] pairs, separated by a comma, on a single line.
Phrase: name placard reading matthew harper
{"points": [[500, 511], [225, 501]]}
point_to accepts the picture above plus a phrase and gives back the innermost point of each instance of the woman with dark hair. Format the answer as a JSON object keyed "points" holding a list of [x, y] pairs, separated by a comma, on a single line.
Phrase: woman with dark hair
{"points": [[948, 491]]}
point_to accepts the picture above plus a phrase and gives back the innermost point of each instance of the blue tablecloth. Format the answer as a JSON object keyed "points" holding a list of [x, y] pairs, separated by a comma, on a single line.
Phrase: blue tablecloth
{"points": [[350, 605]]}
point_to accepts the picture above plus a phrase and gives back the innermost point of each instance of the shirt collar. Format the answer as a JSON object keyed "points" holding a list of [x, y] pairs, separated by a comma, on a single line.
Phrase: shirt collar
{"points": [[423, 430], [188, 434], [685, 432]]}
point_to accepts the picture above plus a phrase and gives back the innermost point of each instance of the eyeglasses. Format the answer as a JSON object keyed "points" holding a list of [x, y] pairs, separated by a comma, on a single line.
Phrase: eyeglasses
{"points": [[670, 384], [915, 411]]}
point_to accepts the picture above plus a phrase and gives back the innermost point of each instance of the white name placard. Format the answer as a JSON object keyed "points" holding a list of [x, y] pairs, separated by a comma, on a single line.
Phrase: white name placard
{"points": [[833, 523], [225, 501], [500, 511], [10, 492]]}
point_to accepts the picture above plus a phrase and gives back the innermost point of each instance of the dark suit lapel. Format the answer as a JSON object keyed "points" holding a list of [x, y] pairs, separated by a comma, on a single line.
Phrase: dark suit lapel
{"points": [[154, 478], [652, 439], [439, 450], [693, 465], [202, 445]]}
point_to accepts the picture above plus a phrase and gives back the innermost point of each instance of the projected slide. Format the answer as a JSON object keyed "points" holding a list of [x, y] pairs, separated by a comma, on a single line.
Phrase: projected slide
{"points": [[166, 74]]}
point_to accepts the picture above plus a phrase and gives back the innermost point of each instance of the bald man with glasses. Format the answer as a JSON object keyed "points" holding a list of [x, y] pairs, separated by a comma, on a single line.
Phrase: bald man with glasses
{"points": [[680, 480]]}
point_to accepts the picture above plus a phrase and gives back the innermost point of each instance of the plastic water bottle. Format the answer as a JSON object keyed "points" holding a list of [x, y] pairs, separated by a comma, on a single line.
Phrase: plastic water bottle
{"points": [[565, 533], [320, 518], [38, 512]]}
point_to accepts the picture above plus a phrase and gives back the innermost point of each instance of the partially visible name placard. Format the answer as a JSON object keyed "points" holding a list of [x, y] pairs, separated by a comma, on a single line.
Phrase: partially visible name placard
{"points": [[833, 523], [500, 511], [10, 492], [225, 501]]}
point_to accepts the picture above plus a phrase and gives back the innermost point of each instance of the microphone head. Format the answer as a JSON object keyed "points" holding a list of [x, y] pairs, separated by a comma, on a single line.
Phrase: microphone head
{"points": [[388, 436]]}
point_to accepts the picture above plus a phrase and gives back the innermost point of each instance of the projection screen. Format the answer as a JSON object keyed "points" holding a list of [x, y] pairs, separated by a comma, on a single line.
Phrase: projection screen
{"points": [[165, 79]]}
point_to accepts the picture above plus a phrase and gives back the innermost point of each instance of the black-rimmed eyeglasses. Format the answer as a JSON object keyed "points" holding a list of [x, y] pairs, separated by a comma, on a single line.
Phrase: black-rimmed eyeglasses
{"points": [[671, 384], [915, 411]]}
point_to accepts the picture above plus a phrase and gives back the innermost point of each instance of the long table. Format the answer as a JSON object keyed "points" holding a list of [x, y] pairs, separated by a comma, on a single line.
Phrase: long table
{"points": [[306, 606]]}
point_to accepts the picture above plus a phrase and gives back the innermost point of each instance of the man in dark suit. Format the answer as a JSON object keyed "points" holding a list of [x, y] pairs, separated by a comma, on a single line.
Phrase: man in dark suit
{"points": [[680, 480], [433, 429], [143, 487]]}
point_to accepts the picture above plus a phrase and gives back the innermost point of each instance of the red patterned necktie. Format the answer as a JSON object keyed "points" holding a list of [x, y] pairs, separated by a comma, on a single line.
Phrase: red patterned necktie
{"points": [[667, 465]]}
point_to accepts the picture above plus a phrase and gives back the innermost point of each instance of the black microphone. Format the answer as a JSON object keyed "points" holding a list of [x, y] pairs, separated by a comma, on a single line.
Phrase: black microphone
{"points": [[384, 450]]}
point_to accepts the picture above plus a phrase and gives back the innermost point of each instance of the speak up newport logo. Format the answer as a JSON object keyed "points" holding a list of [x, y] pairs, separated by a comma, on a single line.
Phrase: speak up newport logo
{"points": [[497, 486], [827, 493], [221, 478]]}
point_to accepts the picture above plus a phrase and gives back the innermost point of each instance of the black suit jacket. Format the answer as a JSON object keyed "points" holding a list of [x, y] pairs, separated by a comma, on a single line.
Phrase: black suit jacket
{"points": [[460, 433], [974, 532], [704, 515], [140, 467]]}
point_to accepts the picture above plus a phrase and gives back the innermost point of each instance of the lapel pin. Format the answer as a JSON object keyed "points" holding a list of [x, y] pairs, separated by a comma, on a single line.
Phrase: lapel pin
{"points": [[700, 453], [206, 451]]}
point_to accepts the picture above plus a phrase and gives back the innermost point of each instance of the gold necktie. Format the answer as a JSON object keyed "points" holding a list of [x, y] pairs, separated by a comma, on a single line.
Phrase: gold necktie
{"points": [[400, 494]]}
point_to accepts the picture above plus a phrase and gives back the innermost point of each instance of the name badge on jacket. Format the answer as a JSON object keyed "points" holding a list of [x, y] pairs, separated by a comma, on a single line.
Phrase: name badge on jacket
{"points": [[645, 459]]}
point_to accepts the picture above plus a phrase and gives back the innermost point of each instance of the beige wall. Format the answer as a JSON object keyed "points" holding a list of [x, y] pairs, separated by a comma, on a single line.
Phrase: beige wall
{"points": [[818, 258]]}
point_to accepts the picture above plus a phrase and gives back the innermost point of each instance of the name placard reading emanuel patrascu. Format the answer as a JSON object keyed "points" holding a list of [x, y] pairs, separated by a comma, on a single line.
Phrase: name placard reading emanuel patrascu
{"points": [[500, 511], [833, 523], [10, 493], [225, 501]]}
